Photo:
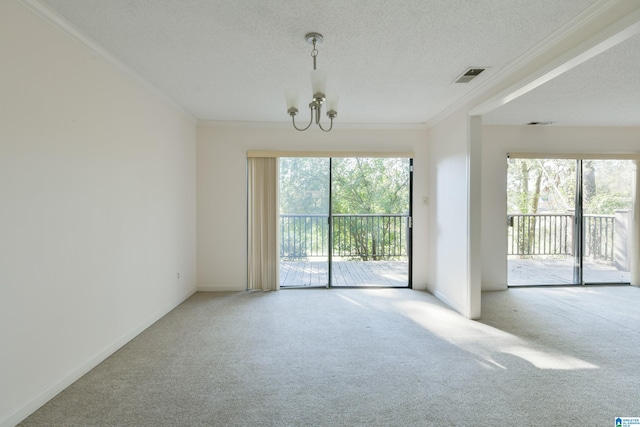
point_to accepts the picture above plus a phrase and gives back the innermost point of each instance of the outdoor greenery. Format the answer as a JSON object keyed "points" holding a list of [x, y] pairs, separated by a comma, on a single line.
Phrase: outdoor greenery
{"points": [[548, 186], [360, 186]]}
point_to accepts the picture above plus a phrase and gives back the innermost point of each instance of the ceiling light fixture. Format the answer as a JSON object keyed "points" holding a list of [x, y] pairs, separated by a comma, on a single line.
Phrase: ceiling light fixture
{"points": [[318, 83], [545, 123]]}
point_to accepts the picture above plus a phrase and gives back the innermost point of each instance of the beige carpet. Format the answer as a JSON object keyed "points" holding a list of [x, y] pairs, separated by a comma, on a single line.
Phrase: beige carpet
{"points": [[539, 357]]}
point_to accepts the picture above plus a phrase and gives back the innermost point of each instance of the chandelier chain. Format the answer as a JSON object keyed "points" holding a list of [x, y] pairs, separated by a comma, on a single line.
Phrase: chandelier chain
{"points": [[314, 53]]}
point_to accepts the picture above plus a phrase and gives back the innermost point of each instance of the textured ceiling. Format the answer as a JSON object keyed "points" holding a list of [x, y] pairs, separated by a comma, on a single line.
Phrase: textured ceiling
{"points": [[391, 62], [603, 91]]}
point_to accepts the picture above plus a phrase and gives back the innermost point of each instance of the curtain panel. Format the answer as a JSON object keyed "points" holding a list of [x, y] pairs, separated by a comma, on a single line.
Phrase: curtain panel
{"points": [[263, 213]]}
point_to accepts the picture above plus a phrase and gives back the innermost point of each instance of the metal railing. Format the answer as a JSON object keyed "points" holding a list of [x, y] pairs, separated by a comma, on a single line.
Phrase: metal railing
{"points": [[552, 234], [364, 236], [540, 234], [303, 236], [599, 234]]}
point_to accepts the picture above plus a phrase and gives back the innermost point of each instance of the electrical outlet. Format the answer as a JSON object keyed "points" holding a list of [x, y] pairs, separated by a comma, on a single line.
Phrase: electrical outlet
{"points": [[425, 200], [178, 276]]}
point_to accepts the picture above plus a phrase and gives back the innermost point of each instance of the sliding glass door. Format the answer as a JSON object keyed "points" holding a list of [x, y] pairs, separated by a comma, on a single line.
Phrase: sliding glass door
{"points": [[607, 200], [345, 222], [370, 210], [569, 221], [304, 222]]}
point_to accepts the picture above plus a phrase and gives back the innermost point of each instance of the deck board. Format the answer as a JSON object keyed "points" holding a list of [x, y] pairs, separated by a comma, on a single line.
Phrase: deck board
{"points": [[528, 272], [305, 273], [521, 272]]}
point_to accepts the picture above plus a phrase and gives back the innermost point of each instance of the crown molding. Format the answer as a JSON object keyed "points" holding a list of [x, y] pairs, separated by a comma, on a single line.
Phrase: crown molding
{"points": [[53, 18], [287, 125]]}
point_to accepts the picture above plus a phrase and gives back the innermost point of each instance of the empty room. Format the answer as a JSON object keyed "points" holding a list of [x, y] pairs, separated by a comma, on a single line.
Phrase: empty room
{"points": [[419, 212]]}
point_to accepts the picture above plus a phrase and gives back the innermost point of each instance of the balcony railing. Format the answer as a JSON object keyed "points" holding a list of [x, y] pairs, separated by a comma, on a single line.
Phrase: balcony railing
{"points": [[363, 237], [552, 234], [540, 234], [377, 237]]}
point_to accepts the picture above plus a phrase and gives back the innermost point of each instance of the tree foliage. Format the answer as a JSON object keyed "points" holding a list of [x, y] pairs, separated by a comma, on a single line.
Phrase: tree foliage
{"points": [[537, 186], [370, 185], [359, 186], [540, 185], [548, 185]]}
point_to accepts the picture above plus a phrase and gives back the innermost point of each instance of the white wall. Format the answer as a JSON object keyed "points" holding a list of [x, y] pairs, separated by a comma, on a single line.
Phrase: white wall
{"points": [[97, 210], [497, 141], [451, 277], [222, 207]]}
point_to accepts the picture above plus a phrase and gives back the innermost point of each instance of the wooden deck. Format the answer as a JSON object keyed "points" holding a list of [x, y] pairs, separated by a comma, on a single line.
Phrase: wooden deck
{"points": [[345, 273], [521, 272], [528, 272]]}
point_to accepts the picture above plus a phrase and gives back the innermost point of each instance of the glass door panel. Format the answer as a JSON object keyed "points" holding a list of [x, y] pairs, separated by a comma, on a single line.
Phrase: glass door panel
{"points": [[607, 217], [569, 221], [541, 196], [304, 222], [370, 209]]}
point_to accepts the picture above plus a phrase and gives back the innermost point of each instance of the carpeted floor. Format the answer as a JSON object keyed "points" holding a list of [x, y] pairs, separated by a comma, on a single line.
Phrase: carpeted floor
{"points": [[348, 357]]}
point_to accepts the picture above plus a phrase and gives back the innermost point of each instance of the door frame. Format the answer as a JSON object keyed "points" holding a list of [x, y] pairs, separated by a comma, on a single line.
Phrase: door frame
{"points": [[409, 228], [578, 224]]}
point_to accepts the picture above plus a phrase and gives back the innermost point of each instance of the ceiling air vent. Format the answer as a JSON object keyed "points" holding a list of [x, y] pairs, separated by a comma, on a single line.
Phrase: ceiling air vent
{"points": [[469, 75], [540, 123]]}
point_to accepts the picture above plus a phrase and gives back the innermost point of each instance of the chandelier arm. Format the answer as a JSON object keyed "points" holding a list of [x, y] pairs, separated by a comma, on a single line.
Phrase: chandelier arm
{"points": [[293, 120], [330, 127]]}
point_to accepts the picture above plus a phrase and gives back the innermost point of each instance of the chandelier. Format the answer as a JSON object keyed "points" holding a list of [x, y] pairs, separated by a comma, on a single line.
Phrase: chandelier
{"points": [[318, 83]]}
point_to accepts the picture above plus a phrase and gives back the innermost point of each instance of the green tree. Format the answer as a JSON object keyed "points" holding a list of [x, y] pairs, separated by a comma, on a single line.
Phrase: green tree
{"points": [[537, 186], [359, 186], [304, 185], [369, 186], [610, 186]]}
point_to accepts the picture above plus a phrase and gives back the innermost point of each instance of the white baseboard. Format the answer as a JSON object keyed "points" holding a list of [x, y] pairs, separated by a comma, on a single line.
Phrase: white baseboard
{"points": [[221, 288], [462, 310], [494, 287], [420, 287], [32, 405]]}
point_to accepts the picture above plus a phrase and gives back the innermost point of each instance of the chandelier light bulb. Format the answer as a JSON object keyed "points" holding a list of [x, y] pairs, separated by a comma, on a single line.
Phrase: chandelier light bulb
{"points": [[319, 82], [332, 104], [292, 100]]}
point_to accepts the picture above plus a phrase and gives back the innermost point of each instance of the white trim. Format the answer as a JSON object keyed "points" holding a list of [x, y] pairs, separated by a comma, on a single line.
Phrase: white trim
{"points": [[57, 21], [324, 154], [451, 303], [474, 216], [603, 40], [72, 376], [575, 156], [221, 288], [287, 125], [635, 230]]}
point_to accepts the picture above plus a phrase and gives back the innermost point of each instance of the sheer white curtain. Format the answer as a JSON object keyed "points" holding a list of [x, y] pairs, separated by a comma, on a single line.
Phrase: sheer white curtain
{"points": [[263, 212]]}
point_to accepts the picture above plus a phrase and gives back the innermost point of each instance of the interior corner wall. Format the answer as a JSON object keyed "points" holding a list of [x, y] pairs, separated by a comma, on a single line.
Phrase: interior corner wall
{"points": [[97, 211], [450, 273], [497, 142], [222, 191]]}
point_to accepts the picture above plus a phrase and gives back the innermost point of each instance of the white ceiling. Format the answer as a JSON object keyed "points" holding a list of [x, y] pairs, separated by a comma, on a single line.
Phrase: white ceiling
{"points": [[390, 61], [603, 91]]}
